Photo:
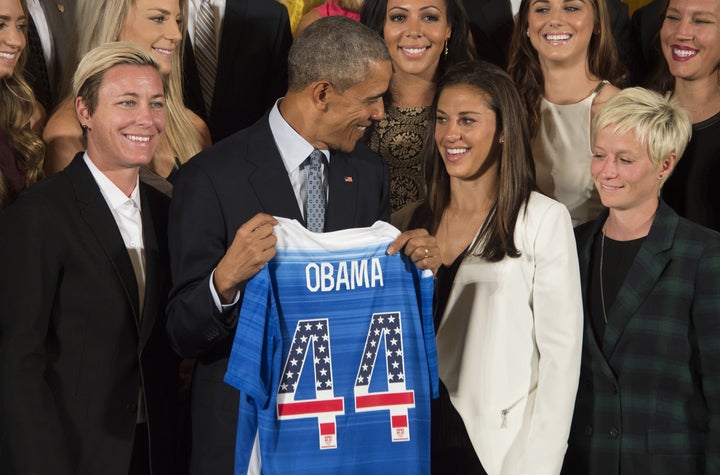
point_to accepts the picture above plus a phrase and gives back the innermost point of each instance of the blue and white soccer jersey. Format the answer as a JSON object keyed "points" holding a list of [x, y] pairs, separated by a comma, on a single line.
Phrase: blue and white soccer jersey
{"points": [[335, 357]]}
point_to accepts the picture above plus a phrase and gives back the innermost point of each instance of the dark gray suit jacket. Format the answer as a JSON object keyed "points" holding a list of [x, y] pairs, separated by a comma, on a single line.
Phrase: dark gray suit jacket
{"points": [[252, 66], [60, 16]]}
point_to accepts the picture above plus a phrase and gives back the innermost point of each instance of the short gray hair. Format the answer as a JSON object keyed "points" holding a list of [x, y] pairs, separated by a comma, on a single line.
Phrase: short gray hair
{"points": [[659, 123], [335, 49]]}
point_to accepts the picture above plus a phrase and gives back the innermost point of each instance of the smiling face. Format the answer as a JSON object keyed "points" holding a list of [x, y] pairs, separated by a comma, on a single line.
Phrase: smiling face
{"points": [[560, 30], [129, 118], [465, 132], [415, 32], [349, 113], [12, 35], [690, 38], [155, 26], [624, 175]]}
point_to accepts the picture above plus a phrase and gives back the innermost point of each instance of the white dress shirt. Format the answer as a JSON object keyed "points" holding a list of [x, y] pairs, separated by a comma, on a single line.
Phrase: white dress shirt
{"points": [[127, 213]]}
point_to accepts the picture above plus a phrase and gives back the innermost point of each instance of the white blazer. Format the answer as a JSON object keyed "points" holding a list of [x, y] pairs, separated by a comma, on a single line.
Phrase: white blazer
{"points": [[509, 345]]}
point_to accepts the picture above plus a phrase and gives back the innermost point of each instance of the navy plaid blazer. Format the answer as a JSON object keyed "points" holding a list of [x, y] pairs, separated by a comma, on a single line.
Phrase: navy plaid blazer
{"points": [[649, 397]]}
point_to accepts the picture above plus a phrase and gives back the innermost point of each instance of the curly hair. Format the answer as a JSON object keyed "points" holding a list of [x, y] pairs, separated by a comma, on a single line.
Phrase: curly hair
{"points": [[374, 12], [18, 105]]}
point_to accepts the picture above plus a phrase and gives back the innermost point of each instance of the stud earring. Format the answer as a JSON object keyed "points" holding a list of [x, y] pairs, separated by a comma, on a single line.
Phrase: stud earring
{"points": [[528, 32]]}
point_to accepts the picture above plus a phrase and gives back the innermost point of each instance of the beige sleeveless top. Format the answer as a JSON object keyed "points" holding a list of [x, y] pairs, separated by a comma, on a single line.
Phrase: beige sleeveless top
{"points": [[562, 155]]}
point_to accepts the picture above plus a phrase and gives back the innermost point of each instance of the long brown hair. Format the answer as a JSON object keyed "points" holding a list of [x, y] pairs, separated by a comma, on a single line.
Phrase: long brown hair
{"points": [[516, 170], [524, 65], [18, 106]]}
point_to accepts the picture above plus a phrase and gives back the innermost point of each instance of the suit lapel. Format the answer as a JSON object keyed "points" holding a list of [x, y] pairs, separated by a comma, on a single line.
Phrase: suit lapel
{"points": [[270, 180], [101, 223], [343, 195], [644, 272], [585, 256]]}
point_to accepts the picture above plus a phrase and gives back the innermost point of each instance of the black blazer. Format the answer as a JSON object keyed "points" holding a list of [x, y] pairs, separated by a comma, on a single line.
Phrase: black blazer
{"points": [[646, 24], [60, 16], [252, 66], [215, 193], [491, 24], [74, 348], [649, 394]]}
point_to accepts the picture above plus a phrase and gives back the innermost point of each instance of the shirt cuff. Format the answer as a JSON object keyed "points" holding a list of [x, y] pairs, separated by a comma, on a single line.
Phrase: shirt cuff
{"points": [[216, 298]]}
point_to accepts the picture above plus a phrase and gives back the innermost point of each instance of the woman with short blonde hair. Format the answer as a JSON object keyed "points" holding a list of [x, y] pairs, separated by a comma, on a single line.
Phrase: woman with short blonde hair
{"points": [[148, 23]]}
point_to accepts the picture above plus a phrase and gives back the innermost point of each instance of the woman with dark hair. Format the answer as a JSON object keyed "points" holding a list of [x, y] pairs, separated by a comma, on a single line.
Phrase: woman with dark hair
{"points": [[690, 43], [508, 309], [424, 37], [21, 118], [563, 59]]}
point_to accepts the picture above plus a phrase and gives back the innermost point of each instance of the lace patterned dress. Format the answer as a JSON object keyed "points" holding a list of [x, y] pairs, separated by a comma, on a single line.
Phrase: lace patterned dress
{"points": [[398, 138]]}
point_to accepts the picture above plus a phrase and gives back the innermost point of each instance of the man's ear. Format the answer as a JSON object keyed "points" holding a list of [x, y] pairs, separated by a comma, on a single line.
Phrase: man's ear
{"points": [[82, 112], [320, 92]]}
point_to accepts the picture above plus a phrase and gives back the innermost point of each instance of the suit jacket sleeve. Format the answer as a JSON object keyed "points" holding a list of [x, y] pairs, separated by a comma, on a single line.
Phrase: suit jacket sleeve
{"points": [[30, 423], [197, 240], [558, 314], [706, 320]]}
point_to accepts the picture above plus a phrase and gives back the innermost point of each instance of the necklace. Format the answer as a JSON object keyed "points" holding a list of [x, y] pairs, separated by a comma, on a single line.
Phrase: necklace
{"points": [[602, 290]]}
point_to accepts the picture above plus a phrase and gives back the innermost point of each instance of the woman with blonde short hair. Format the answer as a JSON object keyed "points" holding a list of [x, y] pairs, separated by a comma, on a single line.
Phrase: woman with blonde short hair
{"points": [[649, 393], [158, 26]]}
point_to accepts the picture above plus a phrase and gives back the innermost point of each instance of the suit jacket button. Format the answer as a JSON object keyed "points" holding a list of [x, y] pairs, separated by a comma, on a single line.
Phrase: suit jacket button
{"points": [[131, 407], [588, 430], [614, 433]]}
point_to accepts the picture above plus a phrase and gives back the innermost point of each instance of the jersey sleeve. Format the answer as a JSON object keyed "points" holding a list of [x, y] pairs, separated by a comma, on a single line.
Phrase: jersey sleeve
{"points": [[253, 358]]}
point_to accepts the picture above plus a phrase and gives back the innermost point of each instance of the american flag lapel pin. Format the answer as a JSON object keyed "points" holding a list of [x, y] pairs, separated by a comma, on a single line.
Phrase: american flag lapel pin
{"points": [[348, 179]]}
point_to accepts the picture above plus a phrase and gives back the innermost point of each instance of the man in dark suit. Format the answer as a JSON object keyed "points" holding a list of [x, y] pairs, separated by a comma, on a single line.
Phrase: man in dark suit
{"points": [[53, 30], [491, 24], [87, 376], [221, 214], [252, 47]]}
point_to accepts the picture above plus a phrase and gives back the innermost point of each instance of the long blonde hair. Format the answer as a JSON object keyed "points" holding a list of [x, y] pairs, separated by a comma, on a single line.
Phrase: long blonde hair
{"points": [[18, 106], [102, 22]]}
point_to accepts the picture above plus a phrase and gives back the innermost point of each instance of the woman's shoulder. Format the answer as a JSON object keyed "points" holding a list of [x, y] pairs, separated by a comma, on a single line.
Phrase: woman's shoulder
{"points": [[63, 138], [62, 122], [607, 92]]}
